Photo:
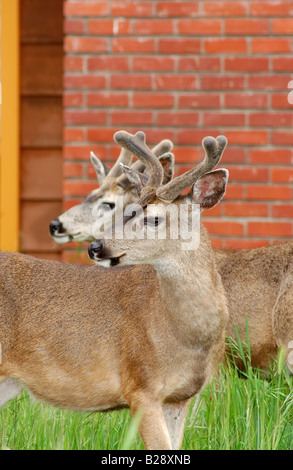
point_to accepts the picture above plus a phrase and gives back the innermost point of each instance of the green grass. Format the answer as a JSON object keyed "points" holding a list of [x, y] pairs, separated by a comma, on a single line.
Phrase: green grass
{"points": [[237, 411]]}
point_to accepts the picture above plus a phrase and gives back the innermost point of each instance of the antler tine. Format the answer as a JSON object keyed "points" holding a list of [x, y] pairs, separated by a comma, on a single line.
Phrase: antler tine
{"points": [[136, 145], [125, 157], [214, 149], [165, 146]]}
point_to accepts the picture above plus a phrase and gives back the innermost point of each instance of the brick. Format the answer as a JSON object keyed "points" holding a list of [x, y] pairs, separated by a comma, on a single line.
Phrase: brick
{"points": [[153, 100], [78, 188], [269, 229], [271, 119], [282, 137], [282, 175], [283, 64], [85, 44], [73, 134], [222, 82], [245, 209], [74, 26], [247, 26], [102, 134], [155, 135], [73, 99], [234, 191], [132, 82], [73, 170], [271, 156], [246, 100], [177, 8], [107, 98], [199, 26], [175, 118], [108, 62], [271, 8], [268, 82], [153, 63], [282, 26], [73, 64], [219, 8], [82, 152], [176, 82], [244, 64], [85, 8], [225, 45], [125, 117], [199, 100], [131, 9], [133, 45], [224, 228], [199, 63], [154, 26], [223, 119], [85, 117], [234, 155], [247, 137], [68, 203], [280, 101], [109, 26], [194, 136], [270, 45], [215, 211], [187, 154], [84, 81], [179, 46], [244, 173], [282, 211], [268, 192]]}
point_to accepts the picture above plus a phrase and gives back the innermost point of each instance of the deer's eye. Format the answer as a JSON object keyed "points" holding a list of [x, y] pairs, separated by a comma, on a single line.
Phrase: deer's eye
{"points": [[152, 221], [108, 206]]}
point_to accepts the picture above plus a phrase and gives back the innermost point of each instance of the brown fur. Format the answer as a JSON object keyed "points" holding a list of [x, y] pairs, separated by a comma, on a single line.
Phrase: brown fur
{"points": [[259, 289]]}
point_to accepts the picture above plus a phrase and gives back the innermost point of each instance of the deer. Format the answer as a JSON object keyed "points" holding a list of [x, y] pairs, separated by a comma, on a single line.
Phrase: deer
{"points": [[259, 288], [76, 223], [260, 313], [149, 343]]}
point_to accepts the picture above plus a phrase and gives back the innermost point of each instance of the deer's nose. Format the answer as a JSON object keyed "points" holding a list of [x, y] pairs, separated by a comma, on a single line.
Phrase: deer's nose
{"points": [[96, 249], [56, 227]]}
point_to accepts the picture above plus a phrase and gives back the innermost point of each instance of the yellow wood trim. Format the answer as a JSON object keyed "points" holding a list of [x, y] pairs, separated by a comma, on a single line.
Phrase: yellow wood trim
{"points": [[9, 144]]}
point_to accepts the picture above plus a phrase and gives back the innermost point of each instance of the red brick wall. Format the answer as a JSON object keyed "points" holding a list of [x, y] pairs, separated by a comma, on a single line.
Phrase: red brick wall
{"points": [[183, 70]]}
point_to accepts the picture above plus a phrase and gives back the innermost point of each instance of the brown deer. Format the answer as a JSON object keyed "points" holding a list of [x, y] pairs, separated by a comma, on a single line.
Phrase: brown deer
{"points": [[264, 306], [76, 223], [259, 287], [147, 336], [185, 337]]}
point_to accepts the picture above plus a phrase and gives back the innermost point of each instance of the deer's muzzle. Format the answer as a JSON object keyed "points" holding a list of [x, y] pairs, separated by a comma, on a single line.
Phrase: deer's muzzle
{"points": [[98, 252]]}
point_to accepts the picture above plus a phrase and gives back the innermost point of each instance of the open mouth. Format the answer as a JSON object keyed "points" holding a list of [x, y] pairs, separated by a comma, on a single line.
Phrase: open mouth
{"points": [[64, 238], [110, 261]]}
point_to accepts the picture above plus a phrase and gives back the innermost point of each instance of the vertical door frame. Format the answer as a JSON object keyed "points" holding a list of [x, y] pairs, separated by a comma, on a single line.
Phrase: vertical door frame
{"points": [[10, 126]]}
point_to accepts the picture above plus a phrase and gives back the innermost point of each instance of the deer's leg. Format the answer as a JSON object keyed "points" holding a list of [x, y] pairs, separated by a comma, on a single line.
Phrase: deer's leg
{"points": [[9, 389], [175, 415], [153, 430]]}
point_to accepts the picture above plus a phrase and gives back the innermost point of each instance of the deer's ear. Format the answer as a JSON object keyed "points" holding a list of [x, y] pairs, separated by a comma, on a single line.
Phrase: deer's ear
{"points": [[101, 169], [137, 179], [210, 188], [167, 162]]}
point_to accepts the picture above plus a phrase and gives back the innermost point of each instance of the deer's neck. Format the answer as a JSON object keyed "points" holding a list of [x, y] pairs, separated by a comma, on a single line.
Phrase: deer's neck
{"points": [[188, 280]]}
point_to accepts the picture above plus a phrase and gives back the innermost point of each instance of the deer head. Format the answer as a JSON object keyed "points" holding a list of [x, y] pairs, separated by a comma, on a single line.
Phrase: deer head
{"points": [[76, 223], [207, 189]]}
